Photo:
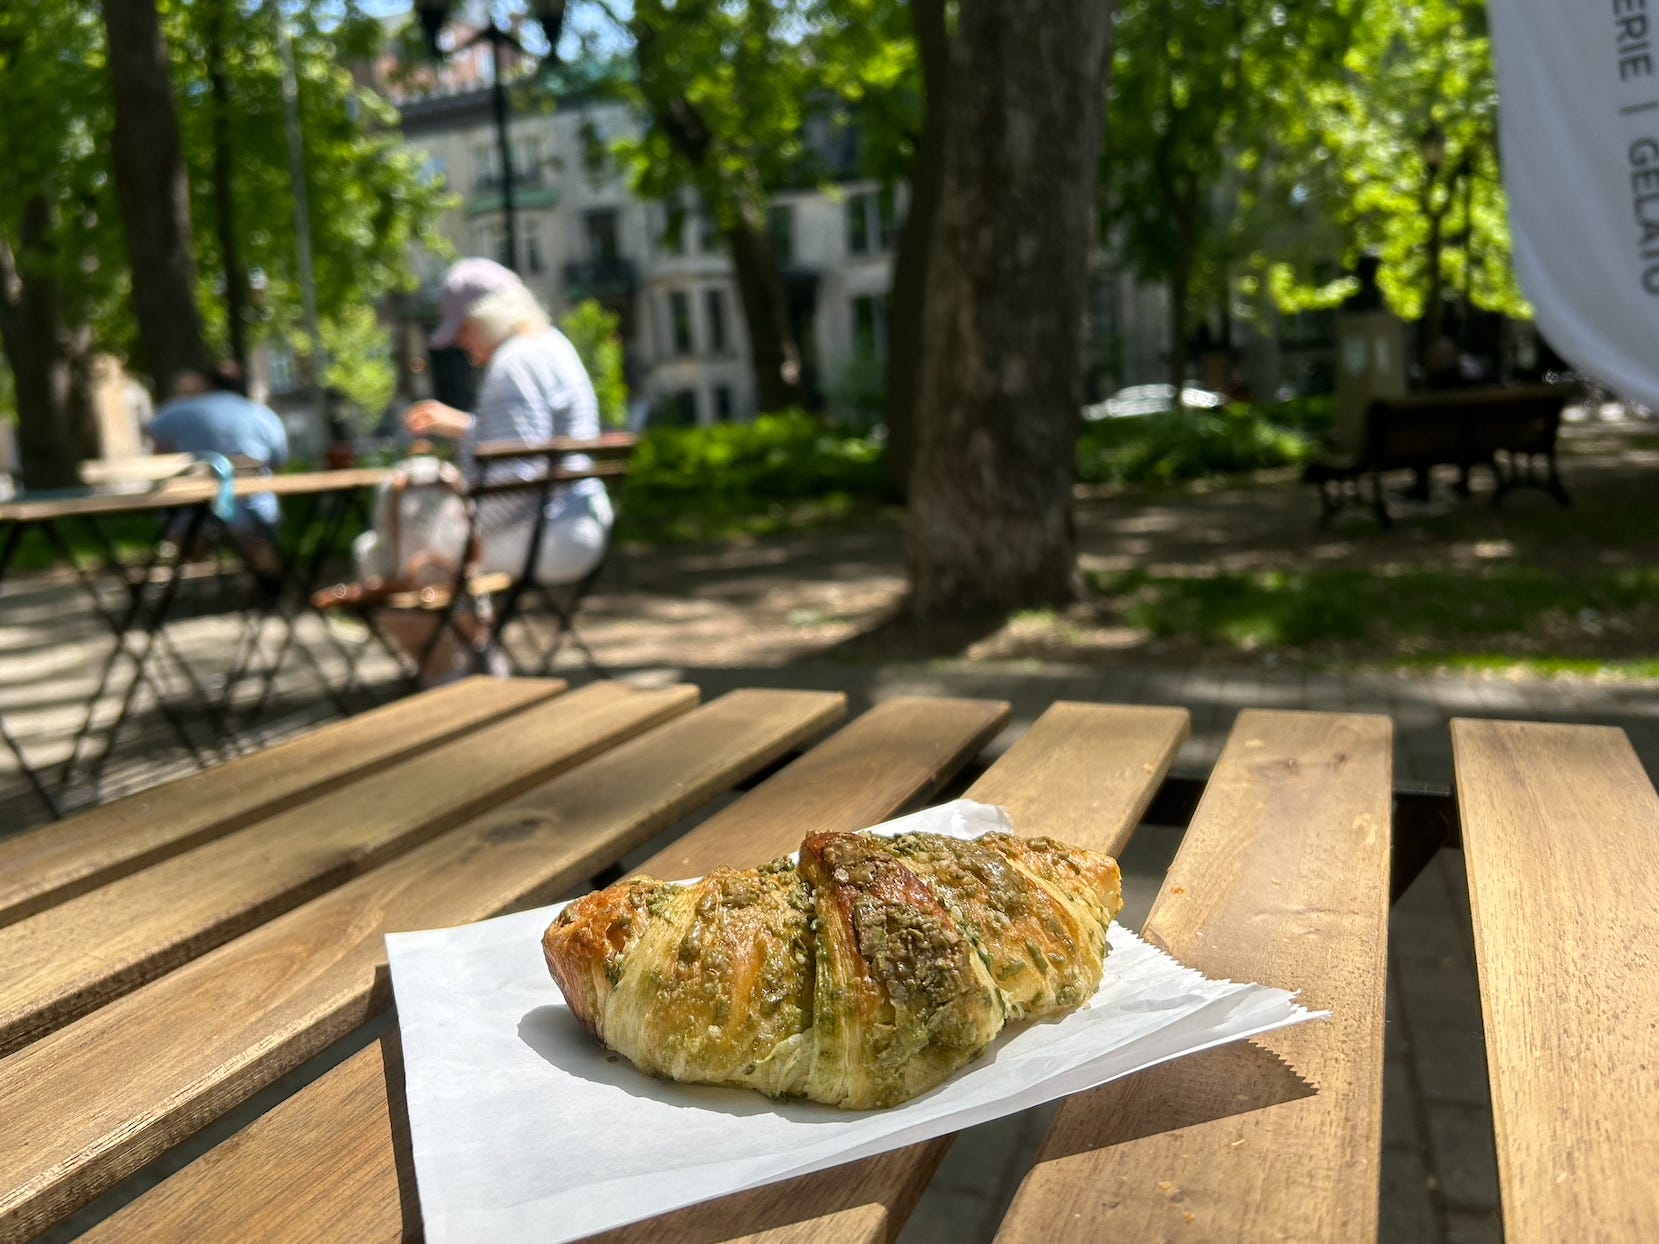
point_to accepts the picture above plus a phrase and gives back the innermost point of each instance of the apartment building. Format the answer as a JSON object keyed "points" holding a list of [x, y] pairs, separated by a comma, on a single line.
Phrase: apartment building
{"points": [[660, 266]]}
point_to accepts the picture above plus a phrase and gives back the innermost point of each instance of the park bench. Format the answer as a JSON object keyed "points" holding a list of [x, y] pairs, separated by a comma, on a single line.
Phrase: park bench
{"points": [[156, 989], [1510, 431]]}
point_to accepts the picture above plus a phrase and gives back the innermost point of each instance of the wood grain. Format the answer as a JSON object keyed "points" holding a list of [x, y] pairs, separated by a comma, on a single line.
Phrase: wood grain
{"points": [[899, 750], [288, 1177], [66, 960], [203, 1038], [58, 861], [1560, 837], [609, 445], [1083, 773], [1282, 878]]}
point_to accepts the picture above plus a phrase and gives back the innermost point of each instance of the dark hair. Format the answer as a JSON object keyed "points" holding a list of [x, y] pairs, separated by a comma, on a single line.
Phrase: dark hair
{"points": [[226, 377]]}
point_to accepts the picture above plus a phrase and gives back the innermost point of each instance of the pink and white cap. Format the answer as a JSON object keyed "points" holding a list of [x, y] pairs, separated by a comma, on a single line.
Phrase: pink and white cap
{"points": [[466, 282]]}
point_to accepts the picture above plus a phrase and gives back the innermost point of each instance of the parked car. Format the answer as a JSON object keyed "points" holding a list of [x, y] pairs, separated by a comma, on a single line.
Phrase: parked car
{"points": [[1152, 399]]}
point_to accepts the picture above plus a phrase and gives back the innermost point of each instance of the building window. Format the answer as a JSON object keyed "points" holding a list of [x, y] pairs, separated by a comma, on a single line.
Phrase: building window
{"points": [[533, 262], [714, 313], [708, 233], [780, 225], [871, 221], [671, 241], [676, 410], [600, 227], [527, 162], [679, 319], [870, 326], [489, 239], [723, 403], [486, 167]]}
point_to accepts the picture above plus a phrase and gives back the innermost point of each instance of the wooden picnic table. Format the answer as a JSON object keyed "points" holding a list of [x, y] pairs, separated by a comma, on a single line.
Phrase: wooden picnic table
{"points": [[328, 501], [171, 955], [182, 492]]}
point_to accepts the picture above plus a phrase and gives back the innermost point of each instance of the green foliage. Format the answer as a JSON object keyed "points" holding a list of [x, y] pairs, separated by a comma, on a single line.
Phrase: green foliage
{"points": [[55, 172], [368, 198], [730, 478], [721, 94], [1197, 100], [725, 88], [359, 364], [369, 201], [1423, 610], [1356, 144], [1187, 444], [595, 332]]}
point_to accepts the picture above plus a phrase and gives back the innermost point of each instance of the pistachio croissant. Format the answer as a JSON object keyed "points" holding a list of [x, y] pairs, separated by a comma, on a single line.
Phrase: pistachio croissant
{"points": [[860, 977]]}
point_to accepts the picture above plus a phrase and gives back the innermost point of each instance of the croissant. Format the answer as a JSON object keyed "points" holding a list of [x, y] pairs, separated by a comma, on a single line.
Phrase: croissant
{"points": [[860, 977]]}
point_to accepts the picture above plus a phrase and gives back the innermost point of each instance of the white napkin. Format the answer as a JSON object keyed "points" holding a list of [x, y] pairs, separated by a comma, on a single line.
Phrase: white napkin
{"points": [[525, 1129]]}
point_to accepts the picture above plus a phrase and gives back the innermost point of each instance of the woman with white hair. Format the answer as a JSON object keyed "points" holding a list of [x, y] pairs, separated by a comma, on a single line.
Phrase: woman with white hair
{"points": [[534, 388]]}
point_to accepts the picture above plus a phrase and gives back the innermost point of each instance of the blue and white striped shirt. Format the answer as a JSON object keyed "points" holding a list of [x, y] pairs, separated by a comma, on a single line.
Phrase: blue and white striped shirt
{"points": [[534, 389]]}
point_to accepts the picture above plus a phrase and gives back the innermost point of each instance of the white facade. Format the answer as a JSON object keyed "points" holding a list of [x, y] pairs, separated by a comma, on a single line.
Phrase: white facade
{"points": [[581, 233]]}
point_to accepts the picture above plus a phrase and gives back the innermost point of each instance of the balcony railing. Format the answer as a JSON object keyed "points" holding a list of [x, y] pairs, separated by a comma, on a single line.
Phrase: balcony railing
{"points": [[490, 183]]}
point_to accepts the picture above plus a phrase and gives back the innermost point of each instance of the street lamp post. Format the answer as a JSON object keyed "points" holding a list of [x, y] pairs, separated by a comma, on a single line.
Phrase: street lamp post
{"points": [[549, 14]]}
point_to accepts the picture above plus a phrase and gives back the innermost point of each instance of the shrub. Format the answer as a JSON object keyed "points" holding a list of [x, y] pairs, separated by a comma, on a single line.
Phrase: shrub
{"points": [[705, 482], [1187, 444], [594, 332]]}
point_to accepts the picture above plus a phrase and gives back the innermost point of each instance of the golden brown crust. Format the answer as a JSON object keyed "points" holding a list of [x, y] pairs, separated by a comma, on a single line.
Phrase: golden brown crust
{"points": [[861, 977]]}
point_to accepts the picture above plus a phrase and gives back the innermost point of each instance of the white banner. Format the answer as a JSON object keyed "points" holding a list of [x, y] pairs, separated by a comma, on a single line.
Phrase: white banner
{"points": [[1578, 91]]}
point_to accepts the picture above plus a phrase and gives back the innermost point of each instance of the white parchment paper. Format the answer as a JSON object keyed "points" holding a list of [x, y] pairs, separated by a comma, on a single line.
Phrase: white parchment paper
{"points": [[525, 1129]]}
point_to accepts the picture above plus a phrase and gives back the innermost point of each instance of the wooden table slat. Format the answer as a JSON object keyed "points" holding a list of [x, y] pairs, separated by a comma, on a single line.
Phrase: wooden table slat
{"points": [[901, 748], [1083, 773], [66, 960], [607, 445], [1282, 878], [58, 861], [316, 1166], [1560, 834], [191, 490], [201, 1039]]}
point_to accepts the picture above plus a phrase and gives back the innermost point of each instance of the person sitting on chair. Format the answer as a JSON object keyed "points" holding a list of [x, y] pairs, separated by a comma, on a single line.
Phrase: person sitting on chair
{"points": [[534, 388], [212, 414]]}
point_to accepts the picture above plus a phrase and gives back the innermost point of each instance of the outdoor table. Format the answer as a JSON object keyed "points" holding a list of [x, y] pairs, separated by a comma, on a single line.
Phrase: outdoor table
{"points": [[170, 955], [327, 500]]}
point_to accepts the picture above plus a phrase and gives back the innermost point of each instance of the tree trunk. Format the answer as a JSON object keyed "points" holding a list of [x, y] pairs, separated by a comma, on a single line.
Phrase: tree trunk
{"points": [[1001, 382], [50, 361], [773, 350], [224, 198], [906, 302], [154, 194]]}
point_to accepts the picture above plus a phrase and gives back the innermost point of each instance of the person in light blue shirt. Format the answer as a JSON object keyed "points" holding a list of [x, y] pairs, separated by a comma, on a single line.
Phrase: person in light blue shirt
{"points": [[213, 416]]}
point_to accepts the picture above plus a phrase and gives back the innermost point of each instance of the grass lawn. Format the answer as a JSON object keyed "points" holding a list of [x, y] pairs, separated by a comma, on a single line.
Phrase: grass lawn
{"points": [[1503, 616]]}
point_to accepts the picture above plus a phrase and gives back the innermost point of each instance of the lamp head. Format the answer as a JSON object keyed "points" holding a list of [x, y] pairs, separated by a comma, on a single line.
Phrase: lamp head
{"points": [[550, 15]]}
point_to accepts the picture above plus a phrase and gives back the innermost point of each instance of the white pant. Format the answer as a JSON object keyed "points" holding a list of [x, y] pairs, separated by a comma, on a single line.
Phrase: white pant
{"points": [[572, 544]]}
